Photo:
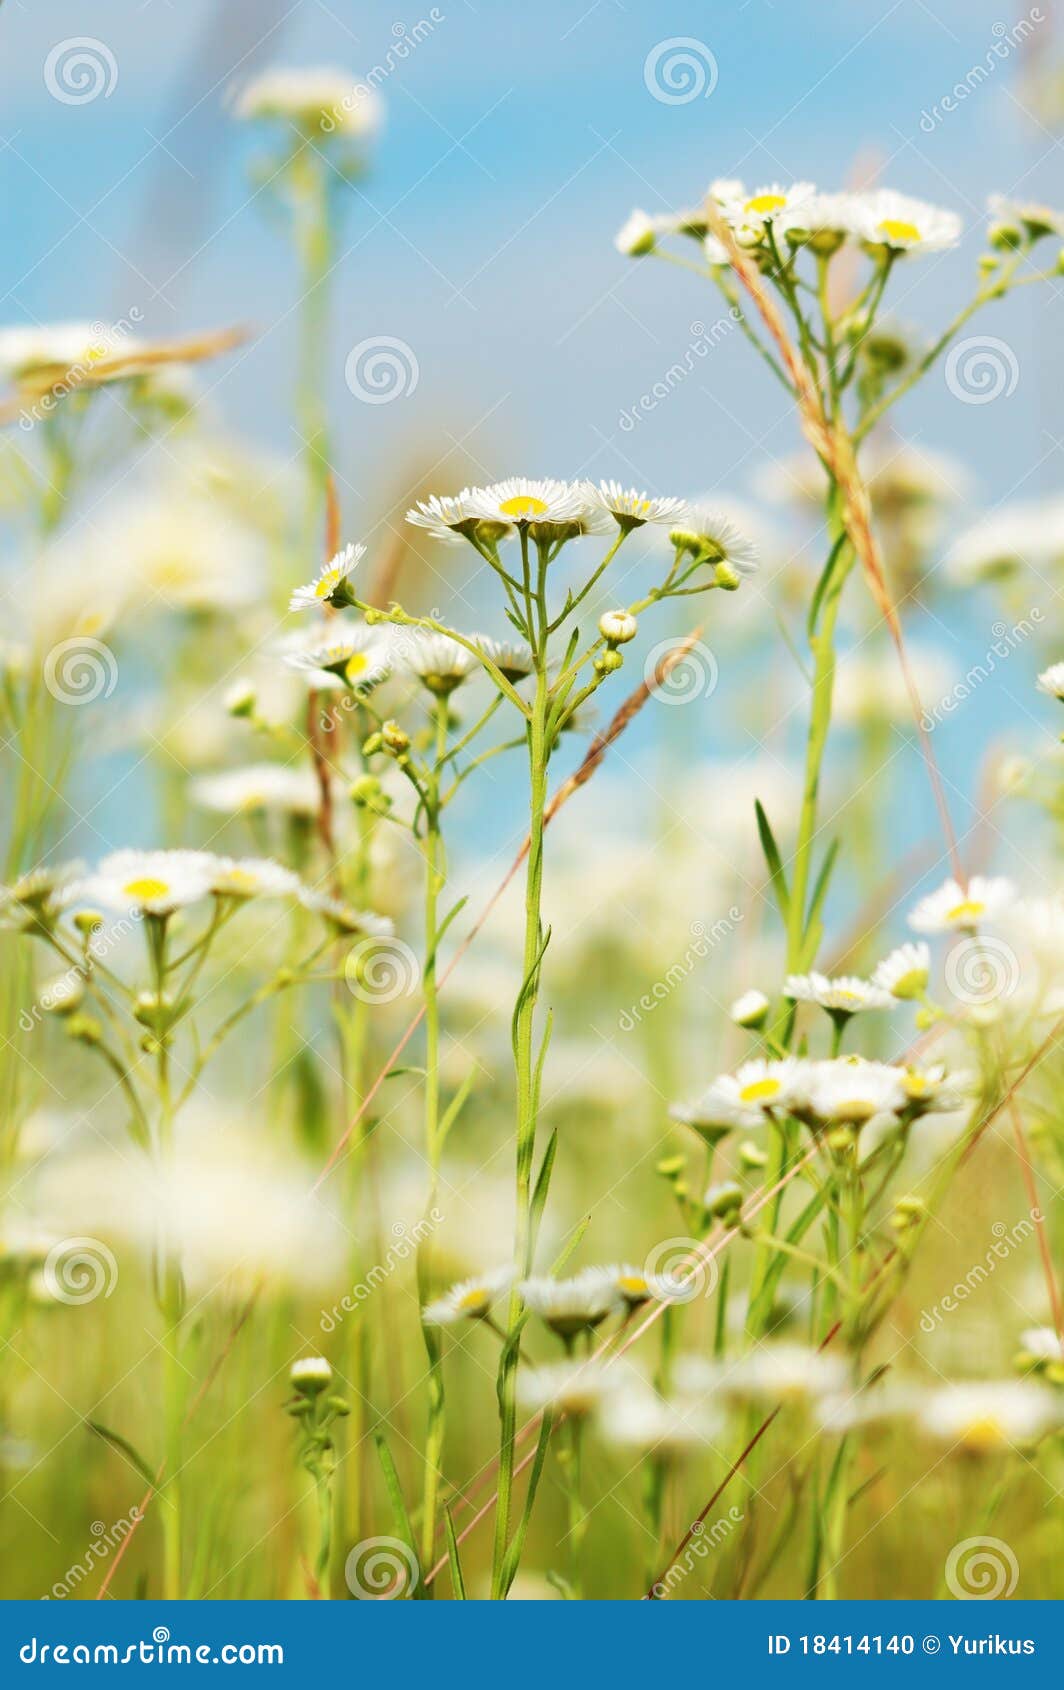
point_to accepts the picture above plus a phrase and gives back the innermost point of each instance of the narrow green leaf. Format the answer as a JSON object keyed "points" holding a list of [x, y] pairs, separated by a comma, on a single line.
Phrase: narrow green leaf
{"points": [[512, 1559], [125, 1448], [403, 1527], [457, 1581], [773, 859], [539, 1191], [455, 1107]]}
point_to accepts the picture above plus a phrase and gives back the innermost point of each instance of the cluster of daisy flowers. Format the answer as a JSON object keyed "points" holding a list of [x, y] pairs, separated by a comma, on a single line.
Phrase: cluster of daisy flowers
{"points": [[160, 883], [786, 216]]}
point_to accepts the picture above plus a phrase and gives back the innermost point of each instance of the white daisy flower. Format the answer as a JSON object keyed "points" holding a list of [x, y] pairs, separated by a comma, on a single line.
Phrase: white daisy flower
{"points": [[739, 1100], [253, 877], [448, 519], [991, 1415], [712, 538], [1028, 534], [331, 586], [575, 1388], [157, 882], [342, 916], [750, 1009], [850, 1090], [439, 662], [637, 1287], [310, 1375], [1051, 680], [846, 995], [640, 1419], [41, 890], [573, 1305], [55, 347], [258, 786], [782, 1373], [904, 973], [470, 1299], [636, 236], [522, 499], [953, 906], [630, 508], [320, 100], [358, 657], [512, 658], [823, 220], [1042, 1343], [903, 225], [750, 214], [1036, 219], [932, 1090]]}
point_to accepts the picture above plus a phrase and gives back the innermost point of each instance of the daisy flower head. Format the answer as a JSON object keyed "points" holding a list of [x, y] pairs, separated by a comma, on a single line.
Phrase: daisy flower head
{"points": [[892, 222], [513, 658], [954, 906], [341, 917], [258, 786], [848, 1091], [750, 1009], [751, 214], [154, 882], [1033, 218], [579, 1304], [1051, 681], [575, 1388], [470, 1299], [640, 1419], [253, 877], [310, 1375], [319, 101], [708, 537], [845, 996], [630, 508], [637, 1287], [1041, 1346], [932, 1090], [904, 973], [983, 1417], [358, 658], [740, 1100], [637, 235], [439, 662], [550, 509], [332, 585], [39, 895], [821, 221], [783, 1372], [450, 519]]}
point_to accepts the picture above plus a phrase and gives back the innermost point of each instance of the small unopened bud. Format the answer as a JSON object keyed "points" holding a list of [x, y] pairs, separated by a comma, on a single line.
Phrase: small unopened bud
{"points": [[726, 577], [608, 662], [85, 1029], [1059, 266], [373, 744], [64, 995], [88, 922], [617, 627], [752, 1156], [750, 1010], [240, 699], [151, 1010], [310, 1375], [339, 1405], [395, 738], [672, 1167], [1005, 237], [724, 1202]]}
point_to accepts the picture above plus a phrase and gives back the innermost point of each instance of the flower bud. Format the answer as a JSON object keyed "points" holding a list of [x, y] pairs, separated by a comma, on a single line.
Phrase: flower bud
{"points": [[1005, 237], [395, 738], [310, 1375], [88, 922], [64, 995], [240, 699], [752, 1156], [608, 662], [617, 627], [750, 1010], [725, 576], [724, 1202], [85, 1029]]}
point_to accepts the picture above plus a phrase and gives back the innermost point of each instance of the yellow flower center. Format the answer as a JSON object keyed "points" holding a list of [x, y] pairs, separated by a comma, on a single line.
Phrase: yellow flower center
{"points": [[762, 204], [985, 1433], [239, 880], [632, 1285], [757, 1090], [845, 992], [523, 505], [474, 1299], [324, 586], [356, 665], [896, 231], [970, 910], [145, 888]]}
